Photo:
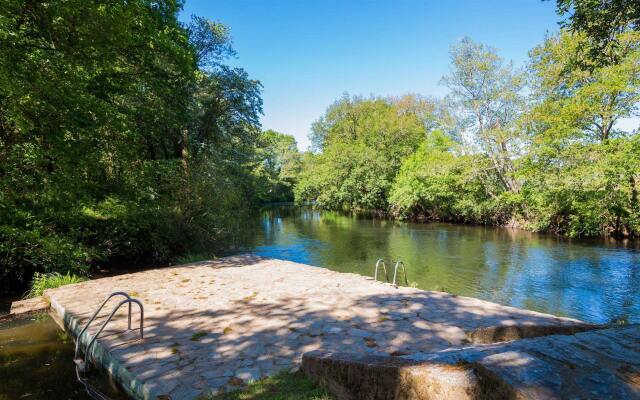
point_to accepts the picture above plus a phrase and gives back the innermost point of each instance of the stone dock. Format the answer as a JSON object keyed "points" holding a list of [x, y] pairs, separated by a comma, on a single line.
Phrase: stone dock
{"points": [[213, 326]]}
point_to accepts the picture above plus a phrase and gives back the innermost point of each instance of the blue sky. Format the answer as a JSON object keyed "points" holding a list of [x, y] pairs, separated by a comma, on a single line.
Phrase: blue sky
{"points": [[308, 53]]}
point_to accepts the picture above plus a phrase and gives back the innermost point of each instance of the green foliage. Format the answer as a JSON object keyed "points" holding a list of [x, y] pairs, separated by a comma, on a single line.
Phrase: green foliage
{"points": [[277, 168], [439, 183], [363, 143], [131, 142], [585, 189], [601, 21], [429, 180], [553, 160], [575, 98], [581, 173], [52, 280]]}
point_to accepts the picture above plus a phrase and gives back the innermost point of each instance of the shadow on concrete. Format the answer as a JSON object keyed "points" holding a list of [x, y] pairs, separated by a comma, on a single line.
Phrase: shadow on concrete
{"points": [[189, 352]]}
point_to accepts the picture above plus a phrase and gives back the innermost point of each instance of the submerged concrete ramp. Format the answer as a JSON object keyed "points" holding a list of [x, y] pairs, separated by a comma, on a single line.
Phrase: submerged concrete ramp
{"points": [[213, 326], [599, 364]]}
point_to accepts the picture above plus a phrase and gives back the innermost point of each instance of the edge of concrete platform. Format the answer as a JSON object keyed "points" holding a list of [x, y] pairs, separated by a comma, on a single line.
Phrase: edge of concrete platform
{"points": [[116, 370], [28, 306], [509, 333]]}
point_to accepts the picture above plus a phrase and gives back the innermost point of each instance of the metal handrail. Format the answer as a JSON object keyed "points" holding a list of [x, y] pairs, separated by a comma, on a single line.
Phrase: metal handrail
{"points": [[115, 309], [384, 267], [404, 272], [95, 314], [82, 365]]}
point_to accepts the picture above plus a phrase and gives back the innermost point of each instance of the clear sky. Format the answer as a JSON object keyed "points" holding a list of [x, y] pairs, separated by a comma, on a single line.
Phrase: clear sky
{"points": [[308, 53]]}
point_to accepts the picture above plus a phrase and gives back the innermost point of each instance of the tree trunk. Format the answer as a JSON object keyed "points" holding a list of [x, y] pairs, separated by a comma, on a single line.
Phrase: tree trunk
{"points": [[184, 153]]}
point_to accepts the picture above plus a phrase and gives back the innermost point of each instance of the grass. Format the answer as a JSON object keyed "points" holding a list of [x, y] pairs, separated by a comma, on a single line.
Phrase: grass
{"points": [[283, 386], [194, 257], [42, 282], [197, 336]]}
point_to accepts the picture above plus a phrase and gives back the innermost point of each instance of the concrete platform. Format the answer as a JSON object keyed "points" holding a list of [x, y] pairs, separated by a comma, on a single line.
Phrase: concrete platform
{"points": [[212, 326]]}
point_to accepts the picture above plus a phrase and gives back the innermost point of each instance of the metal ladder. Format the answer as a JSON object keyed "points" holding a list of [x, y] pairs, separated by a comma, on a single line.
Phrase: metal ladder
{"points": [[384, 267], [398, 264], [82, 364]]}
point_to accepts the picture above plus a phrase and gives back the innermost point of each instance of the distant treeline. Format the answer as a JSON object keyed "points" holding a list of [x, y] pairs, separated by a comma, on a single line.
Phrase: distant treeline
{"points": [[551, 147]]}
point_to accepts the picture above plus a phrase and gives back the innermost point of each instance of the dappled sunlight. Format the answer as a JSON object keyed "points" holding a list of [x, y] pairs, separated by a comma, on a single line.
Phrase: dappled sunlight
{"points": [[217, 325]]}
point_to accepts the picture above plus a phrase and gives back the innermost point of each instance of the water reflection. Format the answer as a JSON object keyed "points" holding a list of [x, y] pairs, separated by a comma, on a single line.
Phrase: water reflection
{"points": [[597, 281]]}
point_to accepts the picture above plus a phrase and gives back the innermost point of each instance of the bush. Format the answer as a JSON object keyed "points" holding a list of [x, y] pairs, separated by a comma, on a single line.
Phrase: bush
{"points": [[42, 282], [24, 250], [584, 190], [436, 183]]}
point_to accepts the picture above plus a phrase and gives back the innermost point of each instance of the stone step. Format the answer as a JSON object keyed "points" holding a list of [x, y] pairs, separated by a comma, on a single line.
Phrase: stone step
{"points": [[28, 306], [599, 364]]}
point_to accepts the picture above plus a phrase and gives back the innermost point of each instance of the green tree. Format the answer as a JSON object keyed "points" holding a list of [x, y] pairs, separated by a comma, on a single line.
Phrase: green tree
{"points": [[581, 171], [439, 182], [602, 21], [487, 94], [428, 183], [117, 126], [279, 163], [362, 143], [587, 189], [577, 99]]}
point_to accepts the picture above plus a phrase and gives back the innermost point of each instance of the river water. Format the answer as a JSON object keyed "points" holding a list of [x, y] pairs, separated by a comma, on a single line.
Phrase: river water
{"points": [[36, 362], [593, 280]]}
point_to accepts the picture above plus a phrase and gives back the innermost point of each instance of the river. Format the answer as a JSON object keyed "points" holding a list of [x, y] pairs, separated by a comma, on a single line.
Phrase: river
{"points": [[593, 280]]}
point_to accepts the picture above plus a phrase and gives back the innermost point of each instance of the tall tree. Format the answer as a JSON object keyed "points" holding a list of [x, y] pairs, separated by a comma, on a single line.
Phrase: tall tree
{"points": [[103, 108], [581, 172], [487, 92], [578, 99], [362, 143], [278, 166]]}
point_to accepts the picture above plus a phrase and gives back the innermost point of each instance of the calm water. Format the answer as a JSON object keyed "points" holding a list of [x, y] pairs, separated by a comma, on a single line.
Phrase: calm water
{"points": [[36, 362], [596, 281]]}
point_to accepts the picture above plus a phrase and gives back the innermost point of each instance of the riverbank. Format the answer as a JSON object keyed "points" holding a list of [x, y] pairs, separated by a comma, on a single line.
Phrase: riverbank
{"points": [[610, 236], [214, 326]]}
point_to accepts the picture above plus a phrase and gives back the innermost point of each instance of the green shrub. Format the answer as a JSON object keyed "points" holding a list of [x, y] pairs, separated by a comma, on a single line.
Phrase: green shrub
{"points": [[29, 247], [52, 280]]}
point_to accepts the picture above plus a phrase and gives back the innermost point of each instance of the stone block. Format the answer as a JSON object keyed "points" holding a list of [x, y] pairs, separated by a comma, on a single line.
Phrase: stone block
{"points": [[361, 377], [505, 333]]}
